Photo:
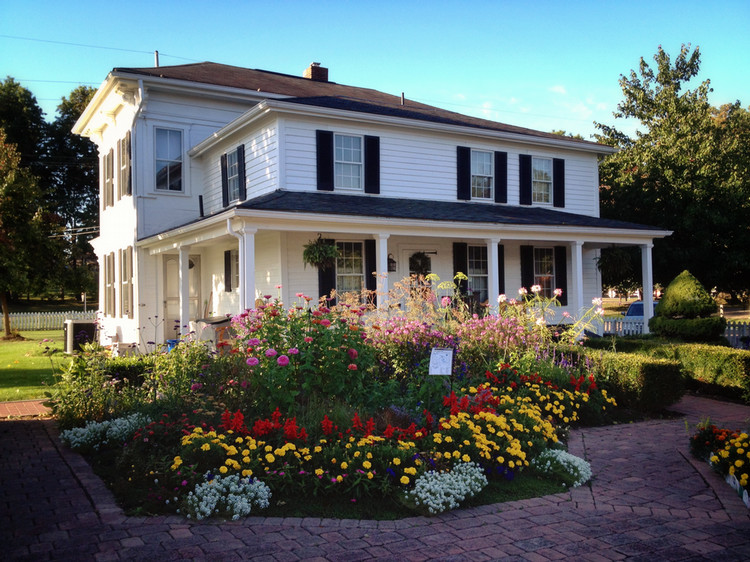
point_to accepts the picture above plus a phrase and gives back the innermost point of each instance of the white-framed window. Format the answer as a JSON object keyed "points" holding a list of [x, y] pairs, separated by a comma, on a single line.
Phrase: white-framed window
{"points": [[478, 272], [108, 194], [541, 180], [544, 270], [126, 282], [347, 162], [234, 260], [168, 149], [233, 176], [481, 174], [123, 183], [350, 267]]}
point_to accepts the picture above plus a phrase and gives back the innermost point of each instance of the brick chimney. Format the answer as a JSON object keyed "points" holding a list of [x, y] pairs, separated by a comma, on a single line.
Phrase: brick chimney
{"points": [[316, 72]]}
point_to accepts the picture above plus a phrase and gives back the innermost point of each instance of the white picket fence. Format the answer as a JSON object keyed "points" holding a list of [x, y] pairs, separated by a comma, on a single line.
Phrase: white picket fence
{"points": [[633, 326], [28, 321]]}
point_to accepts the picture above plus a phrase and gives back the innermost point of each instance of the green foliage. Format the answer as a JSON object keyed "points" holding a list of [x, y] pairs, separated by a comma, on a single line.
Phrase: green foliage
{"points": [[320, 253], [714, 365], [684, 311], [687, 170], [685, 297], [641, 383]]}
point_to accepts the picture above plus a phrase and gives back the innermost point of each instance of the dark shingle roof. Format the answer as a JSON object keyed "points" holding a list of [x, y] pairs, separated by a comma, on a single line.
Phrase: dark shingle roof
{"points": [[326, 94], [326, 203]]}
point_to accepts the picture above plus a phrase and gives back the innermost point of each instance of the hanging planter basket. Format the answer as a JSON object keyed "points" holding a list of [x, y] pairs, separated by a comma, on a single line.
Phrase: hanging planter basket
{"points": [[320, 253]]}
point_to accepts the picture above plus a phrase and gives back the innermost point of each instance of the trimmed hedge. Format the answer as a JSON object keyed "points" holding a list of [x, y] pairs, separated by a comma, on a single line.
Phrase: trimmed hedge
{"points": [[723, 366], [694, 329], [636, 381]]}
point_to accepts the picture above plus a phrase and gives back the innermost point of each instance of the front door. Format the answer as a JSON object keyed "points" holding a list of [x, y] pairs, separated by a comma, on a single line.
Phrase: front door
{"points": [[172, 293]]}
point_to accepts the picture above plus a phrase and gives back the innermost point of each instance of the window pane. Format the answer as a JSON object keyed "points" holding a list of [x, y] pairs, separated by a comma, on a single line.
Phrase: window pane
{"points": [[544, 270], [175, 177], [481, 174], [175, 145]]}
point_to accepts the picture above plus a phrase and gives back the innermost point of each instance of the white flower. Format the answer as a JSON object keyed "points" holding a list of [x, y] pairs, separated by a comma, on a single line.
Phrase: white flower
{"points": [[596, 302], [97, 434], [229, 496], [536, 289], [550, 461], [522, 291], [501, 299], [442, 491]]}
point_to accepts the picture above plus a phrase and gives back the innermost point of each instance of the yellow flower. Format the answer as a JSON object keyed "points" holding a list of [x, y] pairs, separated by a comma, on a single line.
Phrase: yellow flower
{"points": [[366, 465], [318, 472], [339, 478], [344, 465], [317, 449], [177, 463], [370, 475], [369, 455], [404, 480], [223, 469], [270, 458], [396, 461], [268, 448], [205, 447], [247, 473], [410, 470], [466, 458]]}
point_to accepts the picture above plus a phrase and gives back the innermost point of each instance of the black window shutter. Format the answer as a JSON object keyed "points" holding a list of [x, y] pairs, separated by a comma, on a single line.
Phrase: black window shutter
{"points": [[228, 271], [501, 269], [327, 277], [324, 151], [524, 179], [561, 273], [241, 171], [463, 172], [501, 177], [558, 182], [461, 264], [527, 267], [224, 182], [129, 180], [372, 165], [371, 269]]}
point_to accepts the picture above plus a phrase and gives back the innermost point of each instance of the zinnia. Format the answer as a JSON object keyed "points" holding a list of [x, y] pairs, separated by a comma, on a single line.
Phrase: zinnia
{"points": [[252, 361], [271, 352], [283, 360]]}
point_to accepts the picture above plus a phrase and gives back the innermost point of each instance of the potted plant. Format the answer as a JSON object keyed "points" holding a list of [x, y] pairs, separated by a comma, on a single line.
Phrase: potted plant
{"points": [[320, 253]]}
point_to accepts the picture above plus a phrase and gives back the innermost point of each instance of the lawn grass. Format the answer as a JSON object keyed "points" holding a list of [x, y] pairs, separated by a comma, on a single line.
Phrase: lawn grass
{"points": [[28, 366]]}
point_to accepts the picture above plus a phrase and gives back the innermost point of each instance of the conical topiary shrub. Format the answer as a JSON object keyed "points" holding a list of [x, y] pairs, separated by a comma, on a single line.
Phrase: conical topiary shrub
{"points": [[685, 311]]}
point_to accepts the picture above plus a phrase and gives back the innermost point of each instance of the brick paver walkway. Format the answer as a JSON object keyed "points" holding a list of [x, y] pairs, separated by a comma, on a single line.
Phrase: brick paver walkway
{"points": [[649, 500]]}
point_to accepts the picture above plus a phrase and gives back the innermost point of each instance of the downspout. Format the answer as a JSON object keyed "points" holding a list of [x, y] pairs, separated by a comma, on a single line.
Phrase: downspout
{"points": [[241, 239]]}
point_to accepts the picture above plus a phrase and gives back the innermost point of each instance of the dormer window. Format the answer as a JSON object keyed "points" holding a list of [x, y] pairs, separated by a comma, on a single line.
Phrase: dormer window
{"points": [[541, 180], [347, 162], [481, 174], [168, 159], [233, 176]]}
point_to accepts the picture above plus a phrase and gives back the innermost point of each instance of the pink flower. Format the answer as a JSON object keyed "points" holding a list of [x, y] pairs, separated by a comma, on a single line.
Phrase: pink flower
{"points": [[271, 352], [293, 351], [283, 360], [536, 289], [352, 367], [353, 354], [253, 342], [278, 286], [445, 302], [325, 322], [501, 298], [308, 339], [522, 291], [299, 295], [558, 292], [252, 361]]}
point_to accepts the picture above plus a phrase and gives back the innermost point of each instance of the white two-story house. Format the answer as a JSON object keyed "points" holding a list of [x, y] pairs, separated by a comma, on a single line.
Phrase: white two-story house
{"points": [[214, 177]]}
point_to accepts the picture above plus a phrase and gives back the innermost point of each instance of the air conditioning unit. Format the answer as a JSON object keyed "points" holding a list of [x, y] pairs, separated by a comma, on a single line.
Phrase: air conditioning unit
{"points": [[78, 332]]}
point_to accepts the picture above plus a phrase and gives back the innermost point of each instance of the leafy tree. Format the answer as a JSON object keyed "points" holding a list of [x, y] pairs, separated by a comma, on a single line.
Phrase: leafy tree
{"points": [[24, 124], [73, 193], [22, 236], [686, 170], [564, 133]]}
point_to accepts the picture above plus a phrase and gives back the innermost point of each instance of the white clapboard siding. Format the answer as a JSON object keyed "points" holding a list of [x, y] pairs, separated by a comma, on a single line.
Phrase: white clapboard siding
{"points": [[28, 321]]}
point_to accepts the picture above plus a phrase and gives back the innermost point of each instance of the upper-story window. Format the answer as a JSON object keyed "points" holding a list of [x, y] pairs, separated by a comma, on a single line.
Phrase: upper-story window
{"points": [[124, 185], [108, 194], [348, 162], [481, 174], [541, 182], [168, 159], [233, 176]]}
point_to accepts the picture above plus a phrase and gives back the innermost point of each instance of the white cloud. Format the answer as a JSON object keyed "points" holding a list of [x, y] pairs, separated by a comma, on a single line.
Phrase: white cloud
{"points": [[558, 89]]}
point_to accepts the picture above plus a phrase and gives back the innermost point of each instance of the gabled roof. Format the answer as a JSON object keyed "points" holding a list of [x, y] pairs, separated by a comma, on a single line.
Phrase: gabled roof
{"points": [[328, 94], [327, 203]]}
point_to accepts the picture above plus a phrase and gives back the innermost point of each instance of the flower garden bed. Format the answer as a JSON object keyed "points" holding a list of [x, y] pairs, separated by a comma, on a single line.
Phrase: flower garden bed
{"points": [[335, 405]]}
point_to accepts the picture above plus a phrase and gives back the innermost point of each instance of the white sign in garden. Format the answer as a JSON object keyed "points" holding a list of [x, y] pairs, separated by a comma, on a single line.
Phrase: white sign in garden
{"points": [[441, 361]]}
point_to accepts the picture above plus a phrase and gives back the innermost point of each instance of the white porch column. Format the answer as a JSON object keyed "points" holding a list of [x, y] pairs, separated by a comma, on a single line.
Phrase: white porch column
{"points": [[575, 297], [247, 267], [648, 285], [493, 281], [184, 277], [381, 272]]}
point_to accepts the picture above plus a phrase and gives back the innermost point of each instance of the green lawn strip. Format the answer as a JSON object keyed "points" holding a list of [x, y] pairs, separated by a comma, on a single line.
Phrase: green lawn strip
{"points": [[28, 367]]}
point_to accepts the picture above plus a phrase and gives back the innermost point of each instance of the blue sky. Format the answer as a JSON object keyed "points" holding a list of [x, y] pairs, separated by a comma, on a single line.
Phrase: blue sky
{"points": [[542, 64]]}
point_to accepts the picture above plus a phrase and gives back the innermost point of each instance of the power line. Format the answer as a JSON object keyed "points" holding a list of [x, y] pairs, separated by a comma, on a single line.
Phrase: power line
{"points": [[18, 37]]}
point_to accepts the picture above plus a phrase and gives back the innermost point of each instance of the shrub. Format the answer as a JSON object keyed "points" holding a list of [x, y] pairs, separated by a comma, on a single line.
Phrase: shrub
{"points": [[637, 382], [684, 311], [714, 365]]}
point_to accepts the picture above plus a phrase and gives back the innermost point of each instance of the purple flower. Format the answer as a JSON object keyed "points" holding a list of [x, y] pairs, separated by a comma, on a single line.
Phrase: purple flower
{"points": [[271, 352], [252, 361], [293, 351], [283, 360], [253, 342]]}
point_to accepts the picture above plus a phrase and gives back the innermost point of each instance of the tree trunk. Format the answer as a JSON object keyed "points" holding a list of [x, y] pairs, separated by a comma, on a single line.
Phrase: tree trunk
{"points": [[6, 313]]}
